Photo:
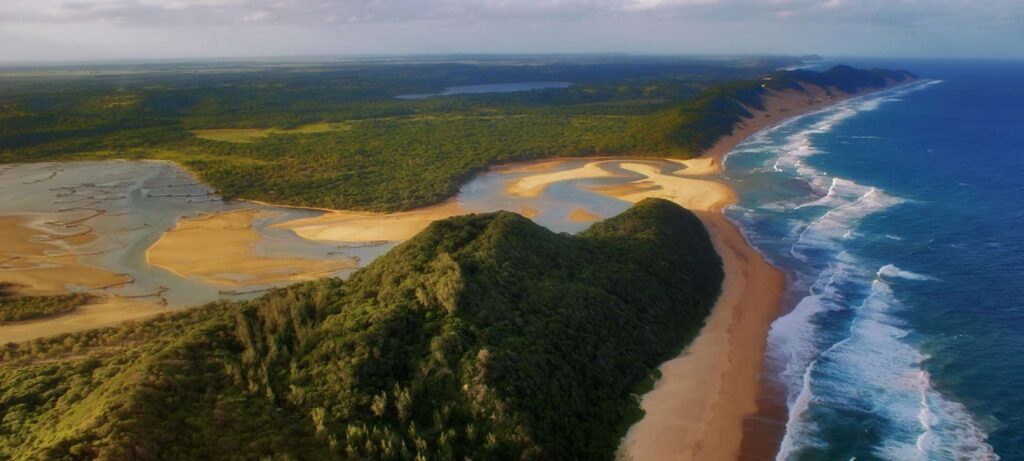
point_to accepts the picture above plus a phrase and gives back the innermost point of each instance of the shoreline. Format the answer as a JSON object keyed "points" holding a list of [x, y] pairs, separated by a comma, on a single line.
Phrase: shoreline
{"points": [[701, 406]]}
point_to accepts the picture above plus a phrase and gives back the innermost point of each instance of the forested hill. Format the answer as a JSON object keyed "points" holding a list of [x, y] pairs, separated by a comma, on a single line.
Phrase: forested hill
{"points": [[337, 137], [483, 337], [693, 127]]}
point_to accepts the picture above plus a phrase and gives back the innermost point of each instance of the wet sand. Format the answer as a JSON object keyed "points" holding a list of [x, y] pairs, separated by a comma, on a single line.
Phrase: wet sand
{"points": [[219, 249], [695, 411], [779, 106], [86, 227], [39, 262], [694, 194], [528, 211]]}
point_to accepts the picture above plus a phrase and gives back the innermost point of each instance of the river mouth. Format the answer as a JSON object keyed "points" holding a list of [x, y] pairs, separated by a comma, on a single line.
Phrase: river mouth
{"points": [[150, 232]]}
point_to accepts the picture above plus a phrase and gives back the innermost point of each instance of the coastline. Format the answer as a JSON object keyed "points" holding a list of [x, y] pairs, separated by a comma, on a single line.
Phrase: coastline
{"points": [[699, 407]]}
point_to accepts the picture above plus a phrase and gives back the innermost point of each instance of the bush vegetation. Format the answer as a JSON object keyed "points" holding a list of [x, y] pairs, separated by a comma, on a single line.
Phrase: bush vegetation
{"points": [[386, 154], [14, 308]]}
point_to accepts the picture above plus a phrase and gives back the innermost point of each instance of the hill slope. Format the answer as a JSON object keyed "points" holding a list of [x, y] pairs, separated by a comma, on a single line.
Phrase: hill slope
{"points": [[484, 337], [690, 128]]}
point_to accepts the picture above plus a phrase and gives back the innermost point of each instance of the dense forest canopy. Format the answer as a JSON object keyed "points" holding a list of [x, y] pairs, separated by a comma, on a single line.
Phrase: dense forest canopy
{"points": [[333, 134], [483, 337]]}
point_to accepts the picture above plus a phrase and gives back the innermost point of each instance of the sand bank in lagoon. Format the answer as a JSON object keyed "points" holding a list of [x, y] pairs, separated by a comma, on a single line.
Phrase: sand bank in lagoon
{"points": [[221, 249]]}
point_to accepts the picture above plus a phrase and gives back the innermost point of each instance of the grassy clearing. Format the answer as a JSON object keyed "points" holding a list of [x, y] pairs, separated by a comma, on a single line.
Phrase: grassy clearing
{"points": [[247, 135]]}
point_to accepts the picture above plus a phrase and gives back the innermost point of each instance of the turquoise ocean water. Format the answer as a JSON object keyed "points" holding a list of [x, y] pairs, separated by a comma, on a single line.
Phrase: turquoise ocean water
{"points": [[899, 218]]}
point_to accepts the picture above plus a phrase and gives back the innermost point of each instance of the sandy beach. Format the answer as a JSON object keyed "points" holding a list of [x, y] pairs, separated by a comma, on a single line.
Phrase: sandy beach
{"points": [[696, 409], [699, 407]]}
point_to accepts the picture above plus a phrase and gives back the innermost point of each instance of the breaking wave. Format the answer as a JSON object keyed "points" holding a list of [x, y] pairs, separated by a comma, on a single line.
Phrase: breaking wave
{"points": [[842, 353]]}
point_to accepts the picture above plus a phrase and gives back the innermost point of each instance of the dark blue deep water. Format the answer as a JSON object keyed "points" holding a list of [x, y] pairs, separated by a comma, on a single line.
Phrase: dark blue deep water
{"points": [[900, 219]]}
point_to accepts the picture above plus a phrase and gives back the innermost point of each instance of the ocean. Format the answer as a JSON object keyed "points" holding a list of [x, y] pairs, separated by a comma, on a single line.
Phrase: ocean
{"points": [[899, 219]]}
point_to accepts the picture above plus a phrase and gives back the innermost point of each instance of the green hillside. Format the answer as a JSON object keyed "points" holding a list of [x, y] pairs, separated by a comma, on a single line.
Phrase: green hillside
{"points": [[483, 337]]}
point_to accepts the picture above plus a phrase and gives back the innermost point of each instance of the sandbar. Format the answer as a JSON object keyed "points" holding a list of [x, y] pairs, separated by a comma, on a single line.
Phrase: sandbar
{"points": [[534, 185], [40, 262], [219, 249], [358, 227]]}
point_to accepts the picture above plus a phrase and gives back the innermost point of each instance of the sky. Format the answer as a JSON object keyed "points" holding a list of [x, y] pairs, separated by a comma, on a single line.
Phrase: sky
{"points": [[85, 30]]}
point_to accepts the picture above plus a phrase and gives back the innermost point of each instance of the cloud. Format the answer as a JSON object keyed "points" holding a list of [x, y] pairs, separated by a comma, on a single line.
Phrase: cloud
{"points": [[228, 12], [121, 27], [646, 5]]}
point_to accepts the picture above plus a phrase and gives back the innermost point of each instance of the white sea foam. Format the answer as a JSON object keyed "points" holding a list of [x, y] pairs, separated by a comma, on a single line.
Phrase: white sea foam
{"points": [[840, 191], [798, 426], [871, 367], [890, 271], [794, 341], [830, 229]]}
